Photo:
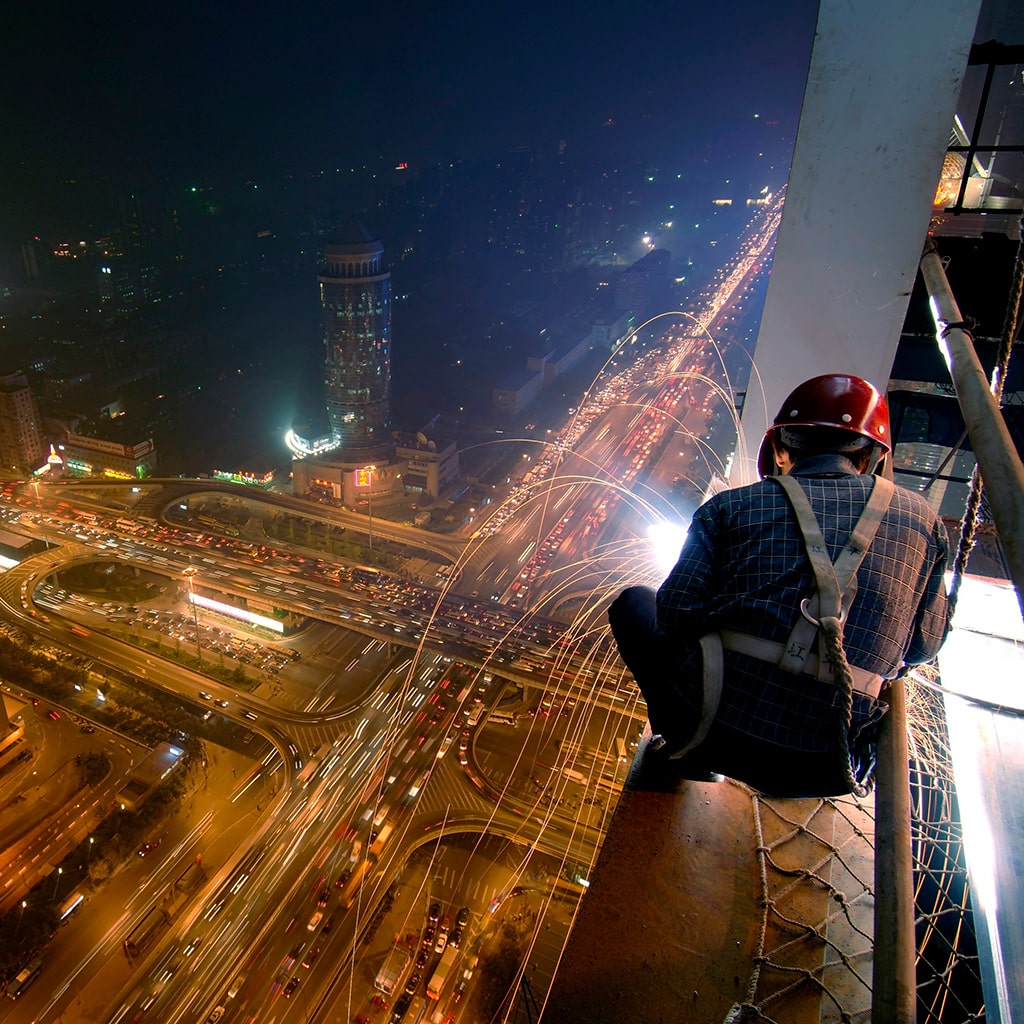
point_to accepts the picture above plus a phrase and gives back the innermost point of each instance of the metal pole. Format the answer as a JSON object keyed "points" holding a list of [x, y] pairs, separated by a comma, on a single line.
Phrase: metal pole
{"points": [[997, 458], [189, 574], [894, 980], [370, 470]]}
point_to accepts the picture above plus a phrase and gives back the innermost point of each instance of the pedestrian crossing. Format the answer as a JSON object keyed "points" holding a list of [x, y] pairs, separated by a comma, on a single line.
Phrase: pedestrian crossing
{"points": [[455, 879], [316, 735], [448, 789]]}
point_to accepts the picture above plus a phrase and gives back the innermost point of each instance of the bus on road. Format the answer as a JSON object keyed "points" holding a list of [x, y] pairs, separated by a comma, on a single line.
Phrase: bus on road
{"points": [[392, 971], [415, 1012], [382, 838], [24, 978], [144, 933], [310, 767], [71, 904], [351, 890]]}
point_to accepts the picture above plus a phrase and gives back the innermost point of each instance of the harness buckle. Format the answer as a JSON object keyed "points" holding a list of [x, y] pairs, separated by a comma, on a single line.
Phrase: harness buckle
{"points": [[817, 622]]}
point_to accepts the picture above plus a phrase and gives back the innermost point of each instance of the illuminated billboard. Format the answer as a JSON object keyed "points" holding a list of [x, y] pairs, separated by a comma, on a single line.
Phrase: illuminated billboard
{"points": [[236, 613]]}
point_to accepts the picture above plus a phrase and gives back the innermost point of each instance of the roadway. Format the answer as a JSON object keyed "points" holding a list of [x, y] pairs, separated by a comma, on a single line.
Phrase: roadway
{"points": [[271, 865]]}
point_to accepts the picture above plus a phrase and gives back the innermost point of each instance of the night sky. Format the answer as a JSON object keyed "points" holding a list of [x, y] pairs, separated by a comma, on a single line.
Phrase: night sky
{"points": [[132, 92]]}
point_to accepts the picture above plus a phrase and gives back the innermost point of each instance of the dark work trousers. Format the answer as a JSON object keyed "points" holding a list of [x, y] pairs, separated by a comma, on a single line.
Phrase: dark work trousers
{"points": [[668, 673]]}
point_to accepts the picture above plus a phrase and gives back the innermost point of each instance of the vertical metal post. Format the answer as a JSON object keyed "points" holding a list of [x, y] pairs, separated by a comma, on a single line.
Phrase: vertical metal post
{"points": [[993, 447], [190, 573], [894, 984], [370, 470]]}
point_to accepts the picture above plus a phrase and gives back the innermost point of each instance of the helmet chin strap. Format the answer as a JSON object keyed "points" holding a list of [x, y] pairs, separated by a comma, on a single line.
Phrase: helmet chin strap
{"points": [[883, 467]]}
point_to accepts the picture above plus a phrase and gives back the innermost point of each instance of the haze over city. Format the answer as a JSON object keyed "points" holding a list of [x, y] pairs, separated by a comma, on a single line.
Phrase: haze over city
{"points": [[352, 359], [536, 148]]}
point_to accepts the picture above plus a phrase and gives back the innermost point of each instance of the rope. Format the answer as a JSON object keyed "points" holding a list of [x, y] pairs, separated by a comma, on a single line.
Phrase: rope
{"points": [[969, 523], [831, 630], [835, 585]]}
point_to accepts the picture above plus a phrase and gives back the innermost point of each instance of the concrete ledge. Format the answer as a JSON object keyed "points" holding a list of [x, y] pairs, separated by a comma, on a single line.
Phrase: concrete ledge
{"points": [[674, 921]]}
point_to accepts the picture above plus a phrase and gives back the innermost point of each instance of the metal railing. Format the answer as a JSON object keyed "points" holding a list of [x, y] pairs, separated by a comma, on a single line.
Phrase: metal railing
{"points": [[998, 461]]}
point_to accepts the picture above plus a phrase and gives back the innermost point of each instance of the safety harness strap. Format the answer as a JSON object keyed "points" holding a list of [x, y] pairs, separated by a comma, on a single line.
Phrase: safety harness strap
{"points": [[832, 595], [835, 584], [711, 656], [867, 683], [828, 622]]}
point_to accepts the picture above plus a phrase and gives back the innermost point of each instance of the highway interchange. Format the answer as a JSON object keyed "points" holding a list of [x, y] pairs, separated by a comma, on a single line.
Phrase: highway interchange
{"points": [[380, 752]]}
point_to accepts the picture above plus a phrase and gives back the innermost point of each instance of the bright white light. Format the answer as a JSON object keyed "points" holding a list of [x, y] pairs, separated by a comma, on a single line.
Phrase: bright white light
{"points": [[983, 657], [301, 447], [237, 613], [666, 541], [987, 630]]}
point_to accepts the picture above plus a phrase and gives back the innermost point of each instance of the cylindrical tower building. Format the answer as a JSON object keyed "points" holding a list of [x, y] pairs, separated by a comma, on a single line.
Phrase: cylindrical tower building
{"points": [[355, 315]]}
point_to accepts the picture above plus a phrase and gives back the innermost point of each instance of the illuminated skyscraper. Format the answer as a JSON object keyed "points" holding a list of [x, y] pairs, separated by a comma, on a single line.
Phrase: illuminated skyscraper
{"points": [[355, 315], [21, 434]]}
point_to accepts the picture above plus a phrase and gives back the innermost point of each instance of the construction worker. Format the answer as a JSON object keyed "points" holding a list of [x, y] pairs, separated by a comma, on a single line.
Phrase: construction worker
{"points": [[763, 654]]}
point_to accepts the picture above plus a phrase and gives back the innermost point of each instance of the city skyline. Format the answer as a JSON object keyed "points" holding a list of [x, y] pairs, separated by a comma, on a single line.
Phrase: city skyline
{"points": [[401, 728], [212, 154]]}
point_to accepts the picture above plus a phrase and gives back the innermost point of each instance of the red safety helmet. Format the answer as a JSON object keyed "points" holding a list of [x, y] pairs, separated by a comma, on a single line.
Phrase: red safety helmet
{"points": [[835, 400]]}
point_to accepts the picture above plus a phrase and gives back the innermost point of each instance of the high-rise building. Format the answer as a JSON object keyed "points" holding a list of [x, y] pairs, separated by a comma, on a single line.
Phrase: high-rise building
{"points": [[355, 316], [21, 436]]}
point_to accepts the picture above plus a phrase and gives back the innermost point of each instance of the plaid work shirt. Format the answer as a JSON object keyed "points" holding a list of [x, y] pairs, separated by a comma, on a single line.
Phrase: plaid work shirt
{"points": [[743, 566]]}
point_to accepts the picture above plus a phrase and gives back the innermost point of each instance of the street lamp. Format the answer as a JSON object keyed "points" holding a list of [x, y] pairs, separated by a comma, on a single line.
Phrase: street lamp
{"points": [[40, 523], [21, 910], [56, 882], [189, 574]]}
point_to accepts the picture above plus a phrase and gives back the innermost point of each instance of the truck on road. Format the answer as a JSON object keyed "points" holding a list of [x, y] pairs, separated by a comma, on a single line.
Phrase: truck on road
{"points": [[392, 971], [441, 972]]}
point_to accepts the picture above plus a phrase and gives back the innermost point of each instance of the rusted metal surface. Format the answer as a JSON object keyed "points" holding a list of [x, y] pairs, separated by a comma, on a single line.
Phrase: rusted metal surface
{"points": [[706, 897]]}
